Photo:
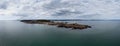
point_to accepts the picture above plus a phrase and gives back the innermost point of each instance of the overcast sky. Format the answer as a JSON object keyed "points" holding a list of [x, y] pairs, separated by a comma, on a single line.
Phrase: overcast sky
{"points": [[59, 9]]}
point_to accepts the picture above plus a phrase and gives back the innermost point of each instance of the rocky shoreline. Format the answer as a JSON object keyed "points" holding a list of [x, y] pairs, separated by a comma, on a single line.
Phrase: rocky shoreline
{"points": [[58, 24]]}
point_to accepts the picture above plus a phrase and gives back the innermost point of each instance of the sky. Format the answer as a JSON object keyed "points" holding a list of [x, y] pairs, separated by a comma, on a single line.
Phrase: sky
{"points": [[59, 9]]}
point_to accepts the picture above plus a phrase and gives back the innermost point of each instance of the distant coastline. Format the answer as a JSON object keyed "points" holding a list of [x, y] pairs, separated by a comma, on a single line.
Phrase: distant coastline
{"points": [[77, 19]]}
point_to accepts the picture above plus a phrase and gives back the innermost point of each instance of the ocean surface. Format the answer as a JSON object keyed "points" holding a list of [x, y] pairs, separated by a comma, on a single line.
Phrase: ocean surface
{"points": [[102, 33]]}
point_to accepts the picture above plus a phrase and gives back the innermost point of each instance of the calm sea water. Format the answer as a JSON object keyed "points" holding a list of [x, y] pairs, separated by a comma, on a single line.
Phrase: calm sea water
{"points": [[102, 33]]}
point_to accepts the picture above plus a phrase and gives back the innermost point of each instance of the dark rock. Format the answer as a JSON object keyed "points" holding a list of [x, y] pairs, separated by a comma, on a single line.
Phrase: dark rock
{"points": [[59, 24]]}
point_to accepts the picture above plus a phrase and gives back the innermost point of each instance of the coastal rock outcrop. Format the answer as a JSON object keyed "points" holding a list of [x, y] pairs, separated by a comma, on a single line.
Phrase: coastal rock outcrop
{"points": [[58, 24]]}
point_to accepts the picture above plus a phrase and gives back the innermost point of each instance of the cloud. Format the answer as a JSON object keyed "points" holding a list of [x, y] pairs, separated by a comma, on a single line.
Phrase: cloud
{"points": [[3, 6], [59, 9]]}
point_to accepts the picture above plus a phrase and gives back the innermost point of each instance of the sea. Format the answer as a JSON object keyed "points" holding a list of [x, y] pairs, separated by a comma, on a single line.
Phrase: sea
{"points": [[102, 33]]}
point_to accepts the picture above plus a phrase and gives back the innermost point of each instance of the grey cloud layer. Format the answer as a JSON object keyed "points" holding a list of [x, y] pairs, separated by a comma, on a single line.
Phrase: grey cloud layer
{"points": [[59, 9]]}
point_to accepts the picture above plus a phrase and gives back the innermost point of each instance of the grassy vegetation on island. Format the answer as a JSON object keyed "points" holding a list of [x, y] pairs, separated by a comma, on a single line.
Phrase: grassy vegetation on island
{"points": [[58, 24]]}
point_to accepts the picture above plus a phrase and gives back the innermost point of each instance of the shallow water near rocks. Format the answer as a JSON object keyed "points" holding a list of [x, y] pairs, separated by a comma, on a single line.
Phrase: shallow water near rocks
{"points": [[102, 33]]}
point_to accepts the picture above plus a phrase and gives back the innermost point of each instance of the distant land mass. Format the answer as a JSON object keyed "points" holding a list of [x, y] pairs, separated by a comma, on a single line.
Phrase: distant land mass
{"points": [[77, 19]]}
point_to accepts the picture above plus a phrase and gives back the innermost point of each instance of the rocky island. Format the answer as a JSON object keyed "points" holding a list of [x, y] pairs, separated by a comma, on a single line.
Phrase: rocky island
{"points": [[58, 24]]}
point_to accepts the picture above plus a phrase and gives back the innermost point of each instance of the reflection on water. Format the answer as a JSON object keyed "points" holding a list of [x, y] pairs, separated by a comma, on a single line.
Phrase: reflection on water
{"points": [[103, 33]]}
